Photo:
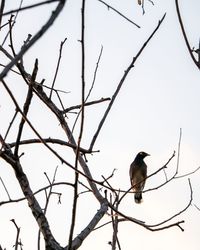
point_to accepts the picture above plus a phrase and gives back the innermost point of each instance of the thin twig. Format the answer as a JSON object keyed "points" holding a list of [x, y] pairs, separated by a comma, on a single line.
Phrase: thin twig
{"points": [[5, 188], [47, 200], [12, 70], [148, 227], [10, 125], [85, 104], [89, 92], [54, 141], [37, 192], [95, 75], [187, 174], [180, 212], [11, 24], [29, 7], [119, 13], [34, 39], [75, 200], [131, 65], [1, 11], [184, 34], [14, 21], [17, 236], [57, 67], [26, 107], [179, 149]]}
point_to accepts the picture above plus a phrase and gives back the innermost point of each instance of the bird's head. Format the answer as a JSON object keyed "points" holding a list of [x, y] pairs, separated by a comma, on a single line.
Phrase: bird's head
{"points": [[142, 155]]}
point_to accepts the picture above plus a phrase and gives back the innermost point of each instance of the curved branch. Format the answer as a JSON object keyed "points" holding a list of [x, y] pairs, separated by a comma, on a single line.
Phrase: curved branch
{"points": [[53, 141], [36, 192], [181, 211], [184, 35]]}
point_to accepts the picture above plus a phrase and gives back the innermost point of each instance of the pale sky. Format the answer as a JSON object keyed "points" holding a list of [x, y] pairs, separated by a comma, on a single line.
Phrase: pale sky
{"points": [[160, 96]]}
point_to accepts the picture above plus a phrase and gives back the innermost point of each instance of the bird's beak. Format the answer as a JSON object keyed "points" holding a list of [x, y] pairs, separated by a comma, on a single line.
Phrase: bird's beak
{"points": [[148, 154]]}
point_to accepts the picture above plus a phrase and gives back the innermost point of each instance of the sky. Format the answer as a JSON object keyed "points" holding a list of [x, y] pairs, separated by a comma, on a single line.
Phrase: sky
{"points": [[159, 97]]}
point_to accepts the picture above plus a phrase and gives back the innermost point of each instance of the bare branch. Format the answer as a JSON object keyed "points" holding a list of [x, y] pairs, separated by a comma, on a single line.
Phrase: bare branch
{"points": [[17, 242], [54, 141], [131, 65], [13, 23], [57, 67], [75, 200], [1, 11], [95, 74], [32, 202], [184, 35], [38, 191], [29, 7], [34, 38], [47, 199], [85, 104], [9, 127], [180, 212], [119, 13], [26, 107], [5, 188], [187, 174]]}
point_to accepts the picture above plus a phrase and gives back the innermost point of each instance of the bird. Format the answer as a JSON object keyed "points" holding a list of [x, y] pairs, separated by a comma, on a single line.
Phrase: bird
{"points": [[138, 174]]}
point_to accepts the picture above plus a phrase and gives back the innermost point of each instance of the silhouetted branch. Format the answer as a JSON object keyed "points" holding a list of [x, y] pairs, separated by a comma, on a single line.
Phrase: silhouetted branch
{"points": [[38, 214], [143, 224], [131, 65], [48, 195], [5, 188], [29, 7], [53, 141], [94, 76], [57, 67], [1, 11], [85, 104], [17, 242], [184, 34], [119, 13], [10, 125], [34, 39], [26, 107], [76, 243], [181, 211], [77, 152], [187, 174], [37, 192]]}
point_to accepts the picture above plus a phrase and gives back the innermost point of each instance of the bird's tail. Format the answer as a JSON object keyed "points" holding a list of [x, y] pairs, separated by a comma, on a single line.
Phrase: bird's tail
{"points": [[138, 197]]}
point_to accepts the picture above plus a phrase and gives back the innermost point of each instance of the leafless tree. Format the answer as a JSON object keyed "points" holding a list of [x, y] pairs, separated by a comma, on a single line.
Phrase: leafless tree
{"points": [[15, 142]]}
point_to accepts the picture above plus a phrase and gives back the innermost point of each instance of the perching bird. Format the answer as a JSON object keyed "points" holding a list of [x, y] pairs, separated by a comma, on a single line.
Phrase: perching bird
{"points": [[138, 174]]}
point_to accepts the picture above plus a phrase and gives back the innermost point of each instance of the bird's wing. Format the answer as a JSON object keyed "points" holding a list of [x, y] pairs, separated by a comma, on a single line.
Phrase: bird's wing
{"points": [[138, 174]]}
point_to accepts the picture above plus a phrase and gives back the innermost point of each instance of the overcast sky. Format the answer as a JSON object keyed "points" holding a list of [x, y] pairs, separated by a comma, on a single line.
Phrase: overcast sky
{"points": [[160, 96]]}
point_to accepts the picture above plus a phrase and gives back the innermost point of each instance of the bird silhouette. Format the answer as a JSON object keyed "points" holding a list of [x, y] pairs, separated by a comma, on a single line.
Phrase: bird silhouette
{"points": [[138, 174]]}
